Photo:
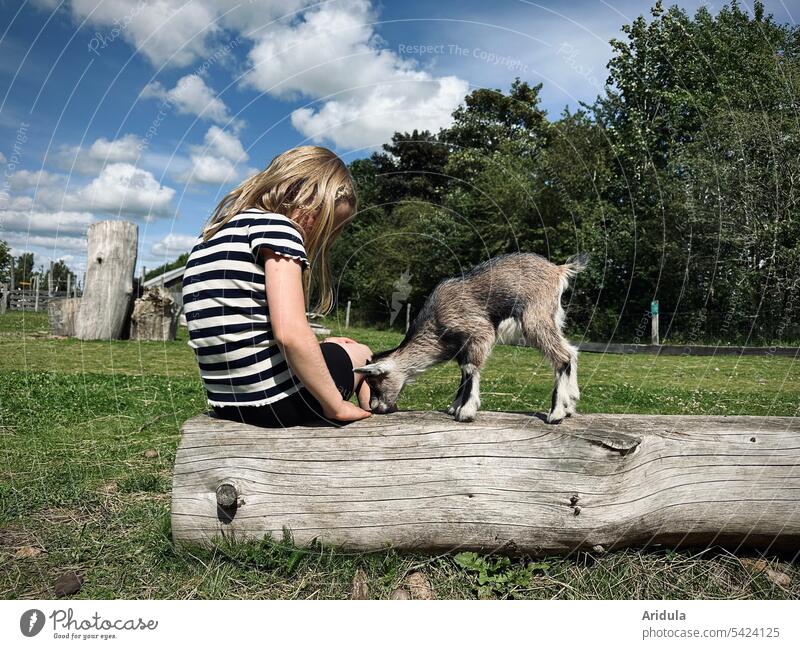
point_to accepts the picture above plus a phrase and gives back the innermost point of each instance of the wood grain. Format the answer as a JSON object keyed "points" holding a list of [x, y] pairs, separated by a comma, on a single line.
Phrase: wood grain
{"points": [[419, 480]]}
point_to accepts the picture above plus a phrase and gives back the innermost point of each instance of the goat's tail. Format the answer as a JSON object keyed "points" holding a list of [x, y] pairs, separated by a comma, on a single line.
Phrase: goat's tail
{"points": [[575, 264]]}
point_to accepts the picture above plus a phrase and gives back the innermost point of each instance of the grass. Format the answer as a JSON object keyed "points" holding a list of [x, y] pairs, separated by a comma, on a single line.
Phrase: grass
{"points": [[77, 491]]}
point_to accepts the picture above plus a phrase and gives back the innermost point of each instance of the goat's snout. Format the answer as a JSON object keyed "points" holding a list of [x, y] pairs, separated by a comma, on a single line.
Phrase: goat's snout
{"points": [[380, 408]]}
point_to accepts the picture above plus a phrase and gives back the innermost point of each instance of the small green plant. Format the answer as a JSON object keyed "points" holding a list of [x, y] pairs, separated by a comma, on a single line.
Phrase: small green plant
{"points": [[499, 576]]}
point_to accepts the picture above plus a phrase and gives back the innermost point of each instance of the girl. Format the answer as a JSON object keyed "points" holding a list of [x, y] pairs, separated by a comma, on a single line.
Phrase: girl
{"points": [[245, 293]]}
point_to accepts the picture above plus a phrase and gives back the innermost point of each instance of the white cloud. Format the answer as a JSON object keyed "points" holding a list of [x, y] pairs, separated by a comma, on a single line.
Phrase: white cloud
{"points": [[168, 32], [368, 92], [22, 242], [225, 144], [365, 122], [174, 33], [191, 96], [173, 245], [210, 170], [24, 179], [54, 223], [100, 153], [123, 189], [217, 162]]}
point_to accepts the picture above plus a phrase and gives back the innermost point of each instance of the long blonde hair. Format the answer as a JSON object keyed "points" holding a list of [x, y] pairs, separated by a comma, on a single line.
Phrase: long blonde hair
{"points": [[305, 184]]}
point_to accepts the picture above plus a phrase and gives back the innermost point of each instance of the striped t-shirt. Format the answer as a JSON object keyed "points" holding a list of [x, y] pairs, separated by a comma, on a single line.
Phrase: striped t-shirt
{"points": [[226, 310]]}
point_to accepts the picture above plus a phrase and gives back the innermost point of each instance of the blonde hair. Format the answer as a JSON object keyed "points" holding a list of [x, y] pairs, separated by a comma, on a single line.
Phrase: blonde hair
{"points": [[305, 184]]}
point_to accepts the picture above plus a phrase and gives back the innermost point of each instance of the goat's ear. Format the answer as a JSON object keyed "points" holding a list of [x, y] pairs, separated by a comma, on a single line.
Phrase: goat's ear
{"points": [[375, 369]]}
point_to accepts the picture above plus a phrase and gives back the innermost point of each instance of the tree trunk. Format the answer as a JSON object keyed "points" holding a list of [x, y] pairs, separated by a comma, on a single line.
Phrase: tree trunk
{"points": [[63, 315], [108, 287], [155, 315], [418, 480]]}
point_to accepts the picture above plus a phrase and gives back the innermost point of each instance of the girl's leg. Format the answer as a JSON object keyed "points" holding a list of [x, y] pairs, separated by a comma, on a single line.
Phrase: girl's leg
{"points": [[359, 355]]}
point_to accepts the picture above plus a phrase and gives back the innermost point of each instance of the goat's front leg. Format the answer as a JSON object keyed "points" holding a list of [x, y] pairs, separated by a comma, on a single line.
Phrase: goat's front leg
{"points": [[459, 398], [471, 394]]}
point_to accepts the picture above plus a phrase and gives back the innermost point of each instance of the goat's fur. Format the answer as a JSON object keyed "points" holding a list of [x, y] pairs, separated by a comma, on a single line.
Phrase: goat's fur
{"points": [[460, 321]]}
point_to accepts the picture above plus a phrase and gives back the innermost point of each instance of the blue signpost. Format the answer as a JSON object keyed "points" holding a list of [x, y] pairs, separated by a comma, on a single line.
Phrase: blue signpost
{"points": [[654, 323]]}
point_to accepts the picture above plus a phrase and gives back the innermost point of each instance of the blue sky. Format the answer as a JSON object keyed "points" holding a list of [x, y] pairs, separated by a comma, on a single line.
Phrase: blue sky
{"points": [[151, 110]]}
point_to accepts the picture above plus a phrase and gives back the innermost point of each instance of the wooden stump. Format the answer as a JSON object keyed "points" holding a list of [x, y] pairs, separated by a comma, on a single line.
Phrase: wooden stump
{"points": [[63, 315], [155, 315], [419, 480], [108, 287]]}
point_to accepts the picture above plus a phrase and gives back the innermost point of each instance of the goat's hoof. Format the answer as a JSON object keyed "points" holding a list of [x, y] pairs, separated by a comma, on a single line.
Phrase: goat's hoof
{"points": [[451, 410], [464, 416]]}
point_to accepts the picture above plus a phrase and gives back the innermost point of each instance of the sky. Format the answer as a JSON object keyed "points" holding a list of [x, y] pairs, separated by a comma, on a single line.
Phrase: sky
{"points": [[152, 110]]}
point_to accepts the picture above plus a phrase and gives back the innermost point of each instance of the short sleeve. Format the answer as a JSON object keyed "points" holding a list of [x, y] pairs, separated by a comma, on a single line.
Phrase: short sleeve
{"points": [[278, 234]]}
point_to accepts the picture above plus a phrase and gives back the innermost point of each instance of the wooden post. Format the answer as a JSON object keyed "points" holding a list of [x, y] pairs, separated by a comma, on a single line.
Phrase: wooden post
{"points": [[63, 314], [347, 316], [155, 315], [507, 481], [69, 283], [654, 322], [3, 298], [36, 293], [13, 280], [108, 289], [408, 315], [50, 281]]}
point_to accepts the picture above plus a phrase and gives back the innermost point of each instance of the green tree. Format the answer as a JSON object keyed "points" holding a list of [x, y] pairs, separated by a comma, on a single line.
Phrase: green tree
{"points": [[23, 268], [5, 262], [171, 265]]}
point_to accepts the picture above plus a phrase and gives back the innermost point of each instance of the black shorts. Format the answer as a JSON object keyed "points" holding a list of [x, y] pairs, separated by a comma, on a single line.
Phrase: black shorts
{"points": [[301, 407]]}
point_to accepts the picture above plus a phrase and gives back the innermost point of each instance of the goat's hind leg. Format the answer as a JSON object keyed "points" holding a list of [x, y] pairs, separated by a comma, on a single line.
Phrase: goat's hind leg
{"points": [[563, 357]]}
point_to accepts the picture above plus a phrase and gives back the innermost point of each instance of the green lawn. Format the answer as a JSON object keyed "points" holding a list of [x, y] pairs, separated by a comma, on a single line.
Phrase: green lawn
{"points": [[78, 493]]}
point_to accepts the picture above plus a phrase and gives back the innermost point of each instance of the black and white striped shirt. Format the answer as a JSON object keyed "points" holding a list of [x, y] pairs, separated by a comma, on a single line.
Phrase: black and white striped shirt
{"points": [[227, 314]]}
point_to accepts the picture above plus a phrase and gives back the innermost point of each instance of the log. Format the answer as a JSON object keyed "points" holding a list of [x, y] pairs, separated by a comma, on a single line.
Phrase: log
{"points": [[155, 315], [420, 481], [108, 287], [63, 314]]}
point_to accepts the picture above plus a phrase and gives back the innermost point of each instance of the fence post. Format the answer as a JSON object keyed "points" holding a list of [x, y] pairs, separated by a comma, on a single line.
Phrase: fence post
{"points": [[347, 316], [408, 315], [654, 322], [50, 281], [69, 283], [3, 298], [36, 293], [12, 275]]}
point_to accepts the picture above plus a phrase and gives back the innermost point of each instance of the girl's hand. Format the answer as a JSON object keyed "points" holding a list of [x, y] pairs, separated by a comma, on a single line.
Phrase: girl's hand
{"points": [[346, 411]]}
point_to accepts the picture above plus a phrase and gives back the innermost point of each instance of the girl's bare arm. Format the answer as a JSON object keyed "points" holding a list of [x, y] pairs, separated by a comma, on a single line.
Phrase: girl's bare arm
{"points": [[298, 343]]}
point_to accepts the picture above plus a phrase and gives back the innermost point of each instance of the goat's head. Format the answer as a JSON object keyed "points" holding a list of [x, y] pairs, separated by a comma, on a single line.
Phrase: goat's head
{"points": [[386, 381]]}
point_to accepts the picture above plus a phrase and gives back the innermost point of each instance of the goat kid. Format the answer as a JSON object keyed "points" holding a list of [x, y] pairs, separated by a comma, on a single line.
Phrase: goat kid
{"points": [[460, 321]]}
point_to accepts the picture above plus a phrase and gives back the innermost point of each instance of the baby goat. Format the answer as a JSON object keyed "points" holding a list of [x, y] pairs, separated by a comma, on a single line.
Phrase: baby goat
{"points": [[460, 322]]}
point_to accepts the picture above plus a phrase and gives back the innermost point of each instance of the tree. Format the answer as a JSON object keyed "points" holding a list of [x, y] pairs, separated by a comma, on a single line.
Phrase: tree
{"points": [[411, 166], [171, 265], [60, 273], [23, 268], [5, 262]]}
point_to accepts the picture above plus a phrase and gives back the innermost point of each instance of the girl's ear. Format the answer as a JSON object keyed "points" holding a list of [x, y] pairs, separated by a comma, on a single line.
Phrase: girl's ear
{"points": [[383, 366]]}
